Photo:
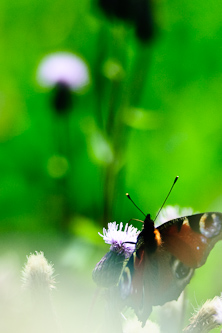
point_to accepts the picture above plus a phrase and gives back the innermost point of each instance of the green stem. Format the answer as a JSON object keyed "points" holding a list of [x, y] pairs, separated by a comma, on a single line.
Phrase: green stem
{"points": [[123, 95], [114, 122]]}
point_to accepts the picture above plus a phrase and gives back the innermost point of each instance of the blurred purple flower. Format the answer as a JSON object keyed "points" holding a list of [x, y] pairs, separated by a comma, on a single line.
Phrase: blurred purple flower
{"points": [[63, 68]]}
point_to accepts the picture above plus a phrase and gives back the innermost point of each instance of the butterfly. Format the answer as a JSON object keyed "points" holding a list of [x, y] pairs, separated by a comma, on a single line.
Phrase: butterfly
{"points": [[162, 262], [165, 259]]}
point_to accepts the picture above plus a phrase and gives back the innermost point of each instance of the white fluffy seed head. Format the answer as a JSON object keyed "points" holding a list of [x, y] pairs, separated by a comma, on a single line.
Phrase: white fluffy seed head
{"points": [[207, 318], [38, 272]]}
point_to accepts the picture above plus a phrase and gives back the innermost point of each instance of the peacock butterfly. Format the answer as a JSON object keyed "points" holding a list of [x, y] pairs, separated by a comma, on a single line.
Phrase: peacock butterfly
{"points": [[165, 259], [162, 262]]}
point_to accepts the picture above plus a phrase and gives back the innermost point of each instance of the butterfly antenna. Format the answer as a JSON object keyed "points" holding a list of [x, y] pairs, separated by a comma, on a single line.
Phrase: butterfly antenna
{"points": [[175, 180], [128, 196]]}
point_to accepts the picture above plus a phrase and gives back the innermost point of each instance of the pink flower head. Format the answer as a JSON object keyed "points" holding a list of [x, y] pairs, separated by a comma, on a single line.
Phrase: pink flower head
{"points": [[121, 241], [63, 67]]}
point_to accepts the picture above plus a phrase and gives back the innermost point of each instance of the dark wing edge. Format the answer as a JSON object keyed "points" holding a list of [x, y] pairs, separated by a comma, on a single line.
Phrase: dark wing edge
{"points": [[209, 224]]}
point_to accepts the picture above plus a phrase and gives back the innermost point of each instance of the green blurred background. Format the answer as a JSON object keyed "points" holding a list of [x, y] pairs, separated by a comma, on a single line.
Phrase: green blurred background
{"points": [[152, 111]]}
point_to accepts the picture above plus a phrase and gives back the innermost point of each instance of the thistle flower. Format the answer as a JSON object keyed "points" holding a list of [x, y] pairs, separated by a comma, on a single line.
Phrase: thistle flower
{"points": [[65, 72], [108, 270], [121, 241], [63, 67], [38, 273], [207, 318]]}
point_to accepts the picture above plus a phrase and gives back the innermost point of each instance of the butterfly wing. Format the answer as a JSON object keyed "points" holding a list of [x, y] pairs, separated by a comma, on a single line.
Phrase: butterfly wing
{"points": [[161, 276], [190, 239], [157, 278]]}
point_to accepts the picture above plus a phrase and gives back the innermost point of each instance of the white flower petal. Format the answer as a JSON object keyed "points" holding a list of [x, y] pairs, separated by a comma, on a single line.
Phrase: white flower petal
{"points": [[173, 212]]}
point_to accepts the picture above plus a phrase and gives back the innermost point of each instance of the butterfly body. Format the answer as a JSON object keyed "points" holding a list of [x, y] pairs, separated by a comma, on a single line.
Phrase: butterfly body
{"points": [[166, 258], [148, 236]]}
